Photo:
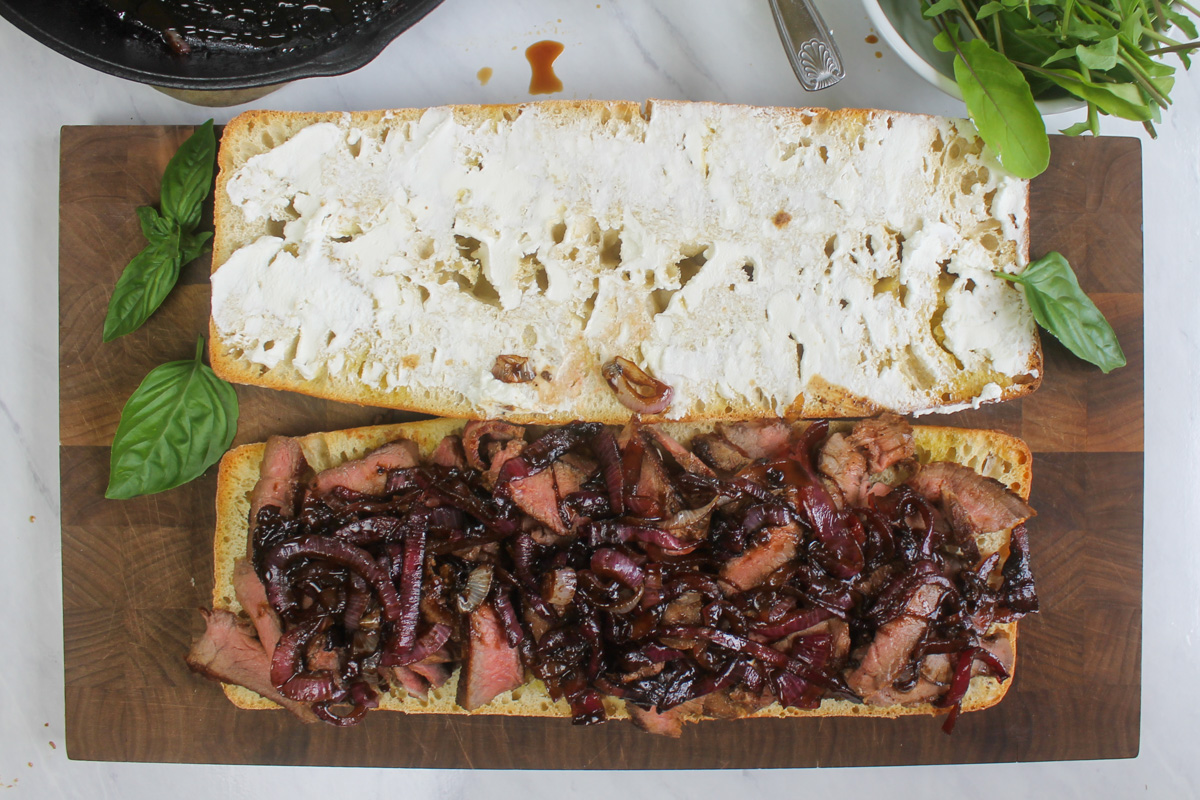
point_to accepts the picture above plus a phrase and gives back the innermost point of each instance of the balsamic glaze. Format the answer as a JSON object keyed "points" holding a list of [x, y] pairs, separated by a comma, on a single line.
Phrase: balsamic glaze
{"points": [[243, 24]]}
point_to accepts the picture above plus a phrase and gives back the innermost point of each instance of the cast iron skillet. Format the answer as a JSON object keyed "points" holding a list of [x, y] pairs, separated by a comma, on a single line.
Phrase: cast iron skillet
{"points": [[88, 34]]}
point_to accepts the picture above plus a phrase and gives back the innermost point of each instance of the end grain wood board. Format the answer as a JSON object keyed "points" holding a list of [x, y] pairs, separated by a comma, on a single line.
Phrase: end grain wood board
{"points": [[135, 572]]}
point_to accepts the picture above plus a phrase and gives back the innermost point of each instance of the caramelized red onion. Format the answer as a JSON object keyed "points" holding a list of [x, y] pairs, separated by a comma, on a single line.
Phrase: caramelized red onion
{"points": [[636, 389], [512, 369], [275, 565], [625, 598]]}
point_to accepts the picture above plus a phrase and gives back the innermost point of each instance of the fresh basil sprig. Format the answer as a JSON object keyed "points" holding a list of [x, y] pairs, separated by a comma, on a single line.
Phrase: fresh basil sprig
{"points": [[174, 426], [1102, 51], [1061, 307], [171, 236]]}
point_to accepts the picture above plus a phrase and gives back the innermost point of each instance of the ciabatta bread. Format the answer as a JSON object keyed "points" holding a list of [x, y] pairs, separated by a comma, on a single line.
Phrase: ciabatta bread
{"points": [[761, 261], [990, 453]]}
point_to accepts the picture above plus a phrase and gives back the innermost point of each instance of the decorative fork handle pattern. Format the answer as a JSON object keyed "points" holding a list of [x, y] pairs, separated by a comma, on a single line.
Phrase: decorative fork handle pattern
{"points": [[809, 44]]}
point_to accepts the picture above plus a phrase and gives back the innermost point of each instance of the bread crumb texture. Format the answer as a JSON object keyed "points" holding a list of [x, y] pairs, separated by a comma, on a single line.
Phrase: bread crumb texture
{"points": [[991, 453], [760, 261]]}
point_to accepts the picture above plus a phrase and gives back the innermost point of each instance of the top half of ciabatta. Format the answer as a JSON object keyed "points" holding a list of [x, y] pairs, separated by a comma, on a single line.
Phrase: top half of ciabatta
{"points": [[760, 261]]}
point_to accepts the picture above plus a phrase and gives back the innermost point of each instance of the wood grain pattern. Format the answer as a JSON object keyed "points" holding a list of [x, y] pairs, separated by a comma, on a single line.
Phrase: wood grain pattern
{"points": [[134, 572]]}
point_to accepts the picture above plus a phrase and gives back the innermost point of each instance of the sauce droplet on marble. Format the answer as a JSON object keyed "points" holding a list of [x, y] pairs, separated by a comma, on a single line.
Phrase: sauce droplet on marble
{"points": [[484, 75], [541, 57]]}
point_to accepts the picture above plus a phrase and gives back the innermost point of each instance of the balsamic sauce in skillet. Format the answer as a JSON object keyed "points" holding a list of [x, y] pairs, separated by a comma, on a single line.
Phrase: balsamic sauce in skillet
{"points": [[242, 24]]}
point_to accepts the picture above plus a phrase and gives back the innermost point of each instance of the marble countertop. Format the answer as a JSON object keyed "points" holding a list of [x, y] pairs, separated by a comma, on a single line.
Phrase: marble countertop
{"points": [[623, 49]]}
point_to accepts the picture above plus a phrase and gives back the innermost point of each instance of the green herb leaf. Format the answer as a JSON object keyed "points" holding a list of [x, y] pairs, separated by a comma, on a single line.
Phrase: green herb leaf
{"points": [[1119, 99], [1099, 56], [188, 178], [173, 427], [145, 283], [193, 245], [1061, 307], [150, 276], [154, 227], [941, 7], [1001, 105]]}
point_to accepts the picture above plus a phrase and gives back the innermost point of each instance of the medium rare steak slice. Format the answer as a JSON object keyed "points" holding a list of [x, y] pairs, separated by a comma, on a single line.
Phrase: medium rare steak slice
{"points": [[227, 652], [982, 504], [369, 475], [253, 597], [491, 667]]}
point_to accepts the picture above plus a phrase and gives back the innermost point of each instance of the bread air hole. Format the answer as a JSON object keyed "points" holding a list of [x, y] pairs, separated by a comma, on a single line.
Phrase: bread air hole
{"points": [[475, 252], [945, 281], [610, 248], [558, 232], [915, 370], [683, 271]]}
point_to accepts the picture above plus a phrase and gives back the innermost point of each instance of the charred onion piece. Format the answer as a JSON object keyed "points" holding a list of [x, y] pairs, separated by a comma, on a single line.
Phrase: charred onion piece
{"points": [[512, 369], [479, 583], [636, 389], [319, 547]]}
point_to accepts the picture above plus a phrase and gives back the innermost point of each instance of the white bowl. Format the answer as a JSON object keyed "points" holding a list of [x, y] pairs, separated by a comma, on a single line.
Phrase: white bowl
{"points": [[901, 25]]}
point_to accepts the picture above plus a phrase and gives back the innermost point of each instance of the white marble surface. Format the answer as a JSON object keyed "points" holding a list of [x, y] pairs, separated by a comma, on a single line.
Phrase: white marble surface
{"points": [[629, 49]]}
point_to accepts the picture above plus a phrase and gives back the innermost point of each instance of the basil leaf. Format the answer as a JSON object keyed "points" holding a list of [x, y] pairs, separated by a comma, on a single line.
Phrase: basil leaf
{"points": [[1001, 105], [188, 178], [1061, 307], [193, 245], [145, 283], [150, 276], [154, 227], [174, 426]]}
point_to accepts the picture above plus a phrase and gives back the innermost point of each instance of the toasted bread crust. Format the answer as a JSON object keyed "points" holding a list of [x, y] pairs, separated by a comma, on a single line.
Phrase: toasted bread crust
{"points": [[992, 453]]}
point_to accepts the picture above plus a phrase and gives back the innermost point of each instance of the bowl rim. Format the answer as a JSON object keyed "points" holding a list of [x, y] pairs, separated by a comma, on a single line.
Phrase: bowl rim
{"points": [[934, 76]]}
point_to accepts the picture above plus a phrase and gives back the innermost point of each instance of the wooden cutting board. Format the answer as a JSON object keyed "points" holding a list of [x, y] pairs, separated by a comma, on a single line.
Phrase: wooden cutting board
{"points": [[135, 572]]}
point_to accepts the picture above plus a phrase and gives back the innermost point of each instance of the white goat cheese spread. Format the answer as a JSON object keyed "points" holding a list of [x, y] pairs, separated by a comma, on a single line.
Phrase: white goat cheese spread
{"points": [[733, 253]]}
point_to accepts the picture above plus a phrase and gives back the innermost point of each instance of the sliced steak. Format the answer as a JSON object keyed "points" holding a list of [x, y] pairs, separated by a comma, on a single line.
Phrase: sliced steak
{"points": [[846, 465], [368, 475], [889, 652], [971, 501], [500, 455], [668, 723], [753, 566], [887, 440], [253, 597], [490, 667], [412, 683], [685, 458], [228, 652], [653, 496], [279, 480], [450, 453], [436, 672], [714, 450], [760, 438], [539, 494]]}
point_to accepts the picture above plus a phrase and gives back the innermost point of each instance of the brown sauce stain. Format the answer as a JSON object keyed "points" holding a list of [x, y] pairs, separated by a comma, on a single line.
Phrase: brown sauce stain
{"points": [[541, 57], [782, 219], [484, 75], [872, 39], [878, 54]]}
